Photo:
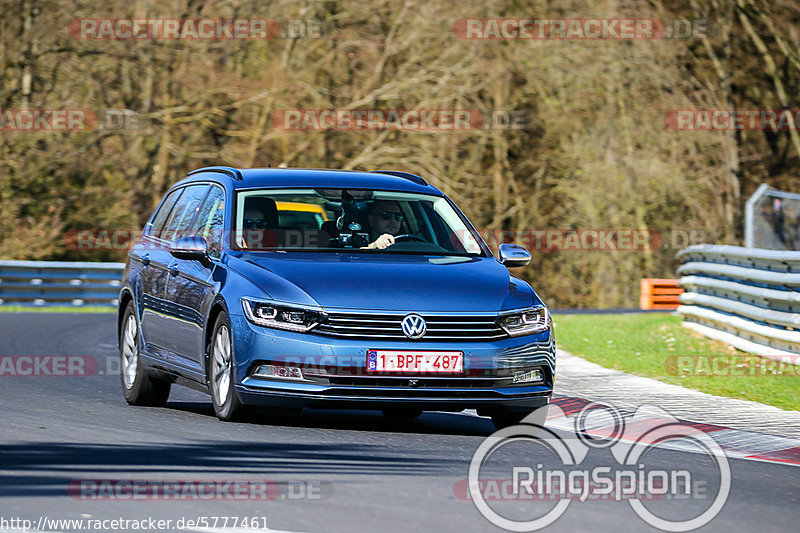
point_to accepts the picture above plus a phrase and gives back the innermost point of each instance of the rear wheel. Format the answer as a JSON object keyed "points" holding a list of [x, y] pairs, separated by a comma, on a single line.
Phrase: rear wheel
{"points": [[138, 387], [404, 413], [227, 405]]}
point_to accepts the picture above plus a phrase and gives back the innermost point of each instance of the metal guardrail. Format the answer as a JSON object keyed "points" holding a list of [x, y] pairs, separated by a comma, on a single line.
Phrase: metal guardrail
{"points": [[748, 297], [49, 283]]}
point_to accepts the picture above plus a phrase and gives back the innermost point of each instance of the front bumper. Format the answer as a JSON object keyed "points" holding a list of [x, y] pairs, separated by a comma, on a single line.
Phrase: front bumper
{"points": [[335, 375]]}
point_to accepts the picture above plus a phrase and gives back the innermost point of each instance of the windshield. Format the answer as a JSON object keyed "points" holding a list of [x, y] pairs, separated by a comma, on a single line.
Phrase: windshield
{"points": [[367, 221]]}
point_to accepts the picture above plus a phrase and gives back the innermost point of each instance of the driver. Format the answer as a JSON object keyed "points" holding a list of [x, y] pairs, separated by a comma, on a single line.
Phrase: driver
{"points": [[384, 223]]}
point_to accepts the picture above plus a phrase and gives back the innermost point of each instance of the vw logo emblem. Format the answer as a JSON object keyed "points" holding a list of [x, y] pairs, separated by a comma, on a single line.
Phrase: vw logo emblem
{"points": [[413, 326]]}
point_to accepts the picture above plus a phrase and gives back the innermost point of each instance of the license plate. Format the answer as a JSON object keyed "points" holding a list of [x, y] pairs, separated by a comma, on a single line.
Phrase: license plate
{"points": [[417, 362]]}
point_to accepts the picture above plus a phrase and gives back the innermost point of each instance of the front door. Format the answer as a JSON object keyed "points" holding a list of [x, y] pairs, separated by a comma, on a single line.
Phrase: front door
{"points": [[191, 286], [177, 224]]}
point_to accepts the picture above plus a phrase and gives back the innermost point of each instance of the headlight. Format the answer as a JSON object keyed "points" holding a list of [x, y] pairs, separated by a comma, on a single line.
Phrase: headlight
{"points": [[281, 316], [525, 322]]}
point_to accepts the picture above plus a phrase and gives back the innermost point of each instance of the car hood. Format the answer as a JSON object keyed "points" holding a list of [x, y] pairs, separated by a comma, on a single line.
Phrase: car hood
{"points": [[385, 281]]}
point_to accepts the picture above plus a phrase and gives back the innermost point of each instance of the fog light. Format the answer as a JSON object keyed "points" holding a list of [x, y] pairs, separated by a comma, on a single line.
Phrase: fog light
{"points": [[531, 376], [272, 371]]}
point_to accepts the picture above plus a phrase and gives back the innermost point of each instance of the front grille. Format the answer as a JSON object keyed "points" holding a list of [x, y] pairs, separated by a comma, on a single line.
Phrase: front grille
{"points": [[445, 328], [421, 383], [408, 393]]}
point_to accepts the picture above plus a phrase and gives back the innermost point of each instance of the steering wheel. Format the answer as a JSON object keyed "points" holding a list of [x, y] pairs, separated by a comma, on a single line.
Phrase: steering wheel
{"points": [[409, 237]]}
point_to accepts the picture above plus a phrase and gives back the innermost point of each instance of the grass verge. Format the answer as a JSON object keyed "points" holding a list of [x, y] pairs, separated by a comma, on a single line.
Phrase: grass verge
{"points": [[656, 345]]}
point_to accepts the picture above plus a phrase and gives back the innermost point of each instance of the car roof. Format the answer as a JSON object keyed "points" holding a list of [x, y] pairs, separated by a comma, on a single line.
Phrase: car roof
{"points": [[312, 178]]}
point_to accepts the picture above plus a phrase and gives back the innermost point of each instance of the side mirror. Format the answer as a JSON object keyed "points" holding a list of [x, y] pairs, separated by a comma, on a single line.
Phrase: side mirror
{"points": [[190, 248], [513, 255]]}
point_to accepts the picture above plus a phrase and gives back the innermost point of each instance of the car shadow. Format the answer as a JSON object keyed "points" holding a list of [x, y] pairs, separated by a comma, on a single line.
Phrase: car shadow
{"points": [[432, 422], [48, 469]]}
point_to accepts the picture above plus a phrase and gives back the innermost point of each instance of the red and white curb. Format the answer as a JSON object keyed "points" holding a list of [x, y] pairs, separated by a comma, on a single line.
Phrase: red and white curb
{"points": [[736, 444]]}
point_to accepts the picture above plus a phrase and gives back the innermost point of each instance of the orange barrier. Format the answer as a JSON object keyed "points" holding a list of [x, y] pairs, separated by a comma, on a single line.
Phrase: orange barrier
{"points": [[660, 294]]}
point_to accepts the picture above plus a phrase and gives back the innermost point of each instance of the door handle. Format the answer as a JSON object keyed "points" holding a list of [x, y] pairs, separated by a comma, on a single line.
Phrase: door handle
{"points": [[145, 259], [173, 269]]}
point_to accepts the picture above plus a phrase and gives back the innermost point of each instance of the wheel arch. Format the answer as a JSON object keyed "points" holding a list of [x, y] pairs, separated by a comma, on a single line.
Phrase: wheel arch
{"points": [[217, 307], [125, 297]]}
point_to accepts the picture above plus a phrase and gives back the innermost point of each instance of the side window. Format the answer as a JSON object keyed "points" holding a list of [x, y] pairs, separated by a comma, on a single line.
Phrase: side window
{"points": [[210, 219], [157, 226], [181, 217]]}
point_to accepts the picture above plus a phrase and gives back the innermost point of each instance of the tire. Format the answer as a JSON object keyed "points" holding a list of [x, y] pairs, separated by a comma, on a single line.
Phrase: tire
{"points": [[227, 405], [401, 413], [138, 387], [513, 418]]}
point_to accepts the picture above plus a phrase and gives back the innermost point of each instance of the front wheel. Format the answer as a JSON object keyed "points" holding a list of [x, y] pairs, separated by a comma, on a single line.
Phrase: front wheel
{"points": [[138, 387], [227, 405]]}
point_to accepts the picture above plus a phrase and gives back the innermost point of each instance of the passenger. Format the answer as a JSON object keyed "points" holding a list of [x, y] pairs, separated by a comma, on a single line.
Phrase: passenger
{"points": [[254, 219]]}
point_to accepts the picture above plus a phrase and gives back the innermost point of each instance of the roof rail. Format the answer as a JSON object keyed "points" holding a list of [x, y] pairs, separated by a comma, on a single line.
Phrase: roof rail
{"points": [[235, 173], [400, 174]]}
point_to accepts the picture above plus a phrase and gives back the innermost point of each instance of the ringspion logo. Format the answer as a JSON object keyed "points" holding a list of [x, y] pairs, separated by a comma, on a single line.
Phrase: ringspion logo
{"points": [[557, 469]]}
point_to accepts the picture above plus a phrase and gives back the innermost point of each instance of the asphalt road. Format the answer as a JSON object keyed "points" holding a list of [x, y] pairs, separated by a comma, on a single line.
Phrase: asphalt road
{"points": [[337, 471]]}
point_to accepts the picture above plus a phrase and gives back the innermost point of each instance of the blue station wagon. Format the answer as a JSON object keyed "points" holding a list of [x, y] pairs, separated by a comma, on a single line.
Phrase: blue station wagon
{"points": [[387, 299]]}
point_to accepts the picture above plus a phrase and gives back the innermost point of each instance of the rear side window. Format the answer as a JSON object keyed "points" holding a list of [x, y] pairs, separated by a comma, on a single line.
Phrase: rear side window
{"points": [[157, 226], [210, 219], [181, 217]]}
